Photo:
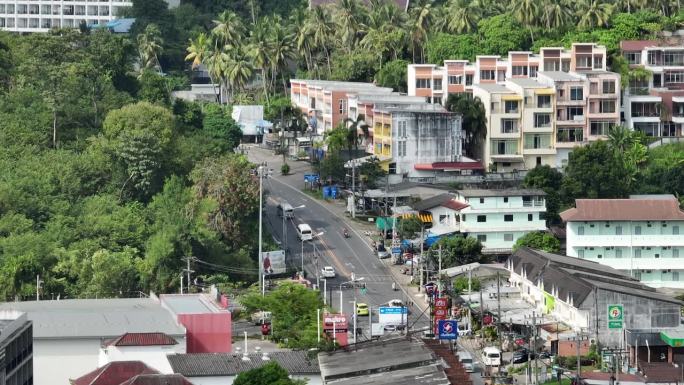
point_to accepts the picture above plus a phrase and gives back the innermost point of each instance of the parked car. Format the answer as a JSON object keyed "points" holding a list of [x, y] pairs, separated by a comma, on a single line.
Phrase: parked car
{"points": [[393, 327], [328, 272], [544, 355], [383, 253], [361, 309], [521, 356]]}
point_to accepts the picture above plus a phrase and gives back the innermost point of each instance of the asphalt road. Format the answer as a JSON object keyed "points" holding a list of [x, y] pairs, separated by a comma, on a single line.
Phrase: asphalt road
{"points": [[347, 255]]}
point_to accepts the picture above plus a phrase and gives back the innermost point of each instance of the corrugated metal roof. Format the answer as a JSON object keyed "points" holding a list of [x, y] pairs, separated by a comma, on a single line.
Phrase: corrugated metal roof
{"points": [[96, 318], [502, 193], [142, 339], [636, 209], [226, 364]]}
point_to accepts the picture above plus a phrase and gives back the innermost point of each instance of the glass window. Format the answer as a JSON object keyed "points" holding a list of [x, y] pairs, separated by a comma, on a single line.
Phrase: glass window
{"points": [[422, 83], [576, 93], [607, 106], [609, 86], [401, 148], [455, 79], [618, 253], [601, 127], [533, 71], [469, 79], [437, 85], [482, 237], [543, 101], [637, 230], [511, 106], [508, 218], [482, 218], [675, 253], [486, 74], [574, 113], [674, 77], [675, 276], [508, 237], [633, 57], [580, 254], [580, 230], [509, 126], [598, 62], [343, 106], [637, 253], [519, 70], [675, 230], [618, 230], [530, 217], [542, 120]]}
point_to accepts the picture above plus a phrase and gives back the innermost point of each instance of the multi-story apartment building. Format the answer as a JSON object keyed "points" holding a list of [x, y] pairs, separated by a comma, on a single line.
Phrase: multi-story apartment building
{"points": [[325, 102], [584, 97], [654, 104], [497, 218], [43, 15], [641, 236], [16, 348], [410, 136]]}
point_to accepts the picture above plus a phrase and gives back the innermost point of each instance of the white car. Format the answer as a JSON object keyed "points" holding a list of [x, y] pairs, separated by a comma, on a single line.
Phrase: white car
{"points": [[328, 272], [383, 252]]}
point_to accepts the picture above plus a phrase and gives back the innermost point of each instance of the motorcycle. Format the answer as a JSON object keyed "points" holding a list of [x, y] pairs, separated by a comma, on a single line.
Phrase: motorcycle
{"points": [[345, 233]]}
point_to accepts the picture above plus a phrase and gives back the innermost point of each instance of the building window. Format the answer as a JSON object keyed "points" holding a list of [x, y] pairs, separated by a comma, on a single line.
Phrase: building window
{"points": [[402, 129], [580, 254], [482, 200], [505, 199], [675, 276], [509, 126], [392, 168], [541, 216], [618, 230], [455, 79], [675, 253], [637, 253], [530, 217], [570, 134], [463, 218], [601, 127], [511, 106], [543, 101], [469, 79], [508, 218], [508, 237], [533, 71], [519, 70], [580, 230], [675, 230], [633, 57], [343, 106], [422, 83], [486, 74], [674, 77], [576, 93], [482, 237], [437, 100], [618, 253], [598, 62], [402, 148], [482, 218], [437, 86], [542, 120], [637, 230]]}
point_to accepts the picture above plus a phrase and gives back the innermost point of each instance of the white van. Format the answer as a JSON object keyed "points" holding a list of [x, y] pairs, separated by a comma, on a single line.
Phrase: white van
{"points": [[466, 360], [491, 356], [304, 232], [285, 210]]}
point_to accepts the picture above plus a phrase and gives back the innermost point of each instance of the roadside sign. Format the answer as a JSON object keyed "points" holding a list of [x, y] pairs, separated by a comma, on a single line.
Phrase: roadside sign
{"points": [[393, 310], [311, 178], [448, 329], [392, 315], [441, 302], [396, 250], [274, 262], [616, 316]]}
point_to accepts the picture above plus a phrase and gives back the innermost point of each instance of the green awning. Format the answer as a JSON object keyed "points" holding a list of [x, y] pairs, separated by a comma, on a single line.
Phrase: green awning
{"points": [[674, 338], [384, 223]]}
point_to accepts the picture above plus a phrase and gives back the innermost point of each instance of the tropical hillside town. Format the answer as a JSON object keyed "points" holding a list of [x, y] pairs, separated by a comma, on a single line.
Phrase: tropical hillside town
{"points": [[334, 192]]}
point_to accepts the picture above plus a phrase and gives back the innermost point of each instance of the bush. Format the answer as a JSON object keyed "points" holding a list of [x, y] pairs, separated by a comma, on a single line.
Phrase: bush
{"points": [[285, 169]]}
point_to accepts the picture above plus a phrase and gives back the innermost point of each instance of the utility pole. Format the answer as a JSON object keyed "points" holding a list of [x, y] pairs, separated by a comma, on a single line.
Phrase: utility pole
{"points": [[534, 347], [353, 208], [39, 284], [354, 315], [498, 309], [260, 171], [188, 271], [579, 361]]}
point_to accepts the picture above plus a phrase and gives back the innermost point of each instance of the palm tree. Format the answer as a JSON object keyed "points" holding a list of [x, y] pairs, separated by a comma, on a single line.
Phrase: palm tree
{"points": [[349, 15], [302, 35], [236, 69], [353, 133], [199, 51], [620, 139], [593, 14], [149, 47], [556, 14], [462, 16], [527, 13], [280, 51], [228, 29], [321, 28], [259, 49], [421, 22]]}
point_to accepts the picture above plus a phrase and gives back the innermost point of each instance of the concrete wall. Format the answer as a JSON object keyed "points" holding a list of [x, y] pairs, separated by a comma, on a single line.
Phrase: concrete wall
{"points": [[57, 361], [152, 356]]}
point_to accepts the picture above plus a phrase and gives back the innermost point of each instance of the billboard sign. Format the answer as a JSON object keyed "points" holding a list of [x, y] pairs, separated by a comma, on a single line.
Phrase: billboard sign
{"points": [[393, 315], [447, 329], [274, 262], [616, 316]]}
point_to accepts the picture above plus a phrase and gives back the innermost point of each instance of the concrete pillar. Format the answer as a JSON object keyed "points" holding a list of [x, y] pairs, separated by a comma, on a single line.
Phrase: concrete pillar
{"points": [[669, 354]]}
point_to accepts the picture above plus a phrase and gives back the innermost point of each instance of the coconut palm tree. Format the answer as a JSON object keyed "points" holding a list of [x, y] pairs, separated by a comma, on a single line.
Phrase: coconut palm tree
{"points": [[593, 14], [462, 16], [421, 20], [302, 35], [322, 28], [228, 29], [236, 68], [556, 14], [620, 139], [527, 13], [281, 50], [200, 52], [259, 48], [353, 134], [350, 16], [150, 45]]}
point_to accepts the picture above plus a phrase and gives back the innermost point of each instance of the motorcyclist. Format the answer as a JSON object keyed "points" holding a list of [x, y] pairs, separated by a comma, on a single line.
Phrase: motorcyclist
{"points": [[345, 232]]}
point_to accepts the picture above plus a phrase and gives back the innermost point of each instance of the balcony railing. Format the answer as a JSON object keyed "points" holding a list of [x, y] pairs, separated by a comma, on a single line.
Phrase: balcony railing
{"points": [[638, 90]]}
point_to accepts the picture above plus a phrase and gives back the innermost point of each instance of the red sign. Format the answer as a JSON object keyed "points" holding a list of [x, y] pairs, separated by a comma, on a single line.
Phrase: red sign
{"points": [[487, 320], [440, 313], [520, 342], [441, 302], [336, 321]]}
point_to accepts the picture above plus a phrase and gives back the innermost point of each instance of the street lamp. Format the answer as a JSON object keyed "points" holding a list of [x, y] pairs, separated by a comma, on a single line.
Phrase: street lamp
{"points": [[260, 171], [285, 227]]}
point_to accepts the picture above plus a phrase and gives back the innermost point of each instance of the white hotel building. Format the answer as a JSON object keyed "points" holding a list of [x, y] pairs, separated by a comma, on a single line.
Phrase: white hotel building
{"points": [[641, 236], [43, 15]]}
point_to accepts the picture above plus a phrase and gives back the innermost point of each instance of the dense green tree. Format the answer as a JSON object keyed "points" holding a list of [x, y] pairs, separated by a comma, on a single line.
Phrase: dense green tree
{"points": [[473, 122], [218, 125], [457, 250], [443, 46], [359, 66], [393, 74], [370, 172], [407, 228], [540, 240], [269, 374], [550, 180], [461, 284], [501, 34], [153, 88]]}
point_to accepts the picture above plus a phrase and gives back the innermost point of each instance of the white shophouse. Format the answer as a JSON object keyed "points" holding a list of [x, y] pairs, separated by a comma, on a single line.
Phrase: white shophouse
{"points": [[641, 236], [497, 218]]}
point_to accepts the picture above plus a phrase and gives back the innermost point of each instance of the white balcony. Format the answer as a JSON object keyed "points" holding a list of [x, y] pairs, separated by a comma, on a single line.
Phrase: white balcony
{"points": [[627, 240]]}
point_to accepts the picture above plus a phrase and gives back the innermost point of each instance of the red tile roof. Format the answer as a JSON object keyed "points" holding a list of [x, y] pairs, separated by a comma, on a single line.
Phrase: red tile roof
{"points": [[157, 379], [142, 339], [637, 45], [114, 373], [624, 210], [455, 205], [448, 166]]}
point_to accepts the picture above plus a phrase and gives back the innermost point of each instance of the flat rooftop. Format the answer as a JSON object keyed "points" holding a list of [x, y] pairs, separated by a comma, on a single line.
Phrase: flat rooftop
{"points": [[560, 76], [500, 193], [96, 318], [528, 83], [494, 88]]}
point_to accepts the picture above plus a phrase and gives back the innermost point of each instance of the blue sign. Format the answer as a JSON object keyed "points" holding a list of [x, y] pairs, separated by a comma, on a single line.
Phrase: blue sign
{"points": [[448, 329], [393, 310], [311, 178], [396, 250]]}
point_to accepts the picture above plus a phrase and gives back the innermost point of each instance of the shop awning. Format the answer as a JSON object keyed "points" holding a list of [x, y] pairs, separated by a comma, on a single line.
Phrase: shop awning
{"points": [[384, 223], [674, 338], [424, 217]]}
